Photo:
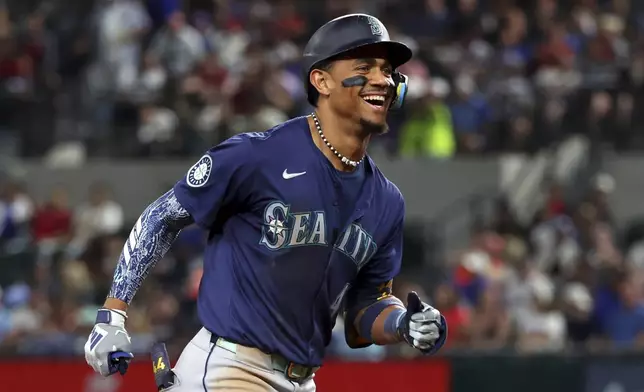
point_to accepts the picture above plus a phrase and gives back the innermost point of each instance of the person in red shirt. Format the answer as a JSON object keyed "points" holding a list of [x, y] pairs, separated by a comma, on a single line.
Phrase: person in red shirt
{"points": [[289, 24], [52, 222], [456, 314], [556, 52], [555, 203]]}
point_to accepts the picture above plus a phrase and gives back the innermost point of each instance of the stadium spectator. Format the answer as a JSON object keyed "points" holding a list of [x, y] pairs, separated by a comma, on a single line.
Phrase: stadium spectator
{"points": [[456, 313], [577, 304], [99, 216], [490, 326], [51, 226], [470, 115], [157, 130], [53, 220], [624, 324], [16, 211], [179, 45], [429, 132], [540, 326]]}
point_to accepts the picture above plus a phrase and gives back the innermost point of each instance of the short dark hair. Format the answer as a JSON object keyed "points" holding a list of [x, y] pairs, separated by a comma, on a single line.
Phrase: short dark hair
{"points": [[324, 65]]}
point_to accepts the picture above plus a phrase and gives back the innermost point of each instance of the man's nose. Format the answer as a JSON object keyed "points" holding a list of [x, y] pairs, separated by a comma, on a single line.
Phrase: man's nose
{"points": [[381, 79]]}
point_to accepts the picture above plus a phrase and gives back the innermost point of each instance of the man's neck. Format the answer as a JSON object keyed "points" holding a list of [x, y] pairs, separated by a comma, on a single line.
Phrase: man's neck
{"points": [[347, 137]]}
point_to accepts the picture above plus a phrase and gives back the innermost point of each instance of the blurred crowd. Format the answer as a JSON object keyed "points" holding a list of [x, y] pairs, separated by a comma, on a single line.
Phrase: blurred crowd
{"points": [[126, 78], [567, 281], [570, 280], [135, 78]]}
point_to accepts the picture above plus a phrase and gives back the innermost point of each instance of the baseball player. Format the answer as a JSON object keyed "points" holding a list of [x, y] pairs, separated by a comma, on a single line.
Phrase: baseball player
{"points": [[302, 225]]}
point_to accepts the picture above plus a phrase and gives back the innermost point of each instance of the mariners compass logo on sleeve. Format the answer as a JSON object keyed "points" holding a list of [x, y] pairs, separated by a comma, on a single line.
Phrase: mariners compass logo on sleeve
{"points": [[200, 172]]}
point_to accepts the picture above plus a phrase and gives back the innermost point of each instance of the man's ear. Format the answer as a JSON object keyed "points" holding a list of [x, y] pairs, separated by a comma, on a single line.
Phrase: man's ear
{"points": [[321, 81]]}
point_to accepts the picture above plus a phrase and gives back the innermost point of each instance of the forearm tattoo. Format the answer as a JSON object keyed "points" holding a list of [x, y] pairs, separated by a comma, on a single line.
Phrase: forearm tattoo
{"points": [[150, 239]]}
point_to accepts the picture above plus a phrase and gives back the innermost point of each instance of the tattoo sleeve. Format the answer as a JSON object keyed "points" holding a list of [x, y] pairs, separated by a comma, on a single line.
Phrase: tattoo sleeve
{"points": [[150, 239]]}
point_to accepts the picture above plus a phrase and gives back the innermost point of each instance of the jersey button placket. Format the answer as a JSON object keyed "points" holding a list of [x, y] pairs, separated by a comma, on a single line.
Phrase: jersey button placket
{"points": [[336, 202]]}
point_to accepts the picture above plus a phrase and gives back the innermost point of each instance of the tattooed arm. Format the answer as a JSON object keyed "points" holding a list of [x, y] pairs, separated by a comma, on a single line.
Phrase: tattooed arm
{"points": [[150, 239]]}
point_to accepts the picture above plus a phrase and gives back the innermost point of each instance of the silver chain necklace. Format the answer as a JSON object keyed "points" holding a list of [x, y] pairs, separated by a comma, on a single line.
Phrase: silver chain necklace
{"points": [[344, 159]]}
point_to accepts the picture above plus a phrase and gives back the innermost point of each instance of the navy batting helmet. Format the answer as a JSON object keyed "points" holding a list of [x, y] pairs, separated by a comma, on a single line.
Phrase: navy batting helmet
{"points": [[349, 32]]}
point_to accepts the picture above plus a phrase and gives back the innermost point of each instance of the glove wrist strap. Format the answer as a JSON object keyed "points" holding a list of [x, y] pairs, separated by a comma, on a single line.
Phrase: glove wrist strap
{"points": [[394, 323], [112, 317]]}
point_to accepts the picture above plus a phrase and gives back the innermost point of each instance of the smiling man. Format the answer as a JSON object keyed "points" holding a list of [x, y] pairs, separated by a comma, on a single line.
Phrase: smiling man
{"points": [[302, 225]]}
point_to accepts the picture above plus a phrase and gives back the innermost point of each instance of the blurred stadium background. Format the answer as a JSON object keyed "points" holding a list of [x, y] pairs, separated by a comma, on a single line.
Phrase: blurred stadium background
{"points": [[520, 155]]}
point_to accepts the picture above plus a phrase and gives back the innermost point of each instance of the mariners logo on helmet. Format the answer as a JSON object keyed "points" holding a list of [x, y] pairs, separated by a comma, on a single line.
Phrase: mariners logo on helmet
{"points": [[376, 26]]}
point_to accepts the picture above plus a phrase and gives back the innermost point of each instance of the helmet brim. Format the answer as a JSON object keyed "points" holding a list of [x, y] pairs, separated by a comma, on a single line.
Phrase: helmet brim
{"points": [[396, 53]]}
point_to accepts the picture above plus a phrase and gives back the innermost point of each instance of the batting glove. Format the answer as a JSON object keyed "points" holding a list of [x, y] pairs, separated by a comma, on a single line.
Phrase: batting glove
{"points": [[422, 326], [109, 348]]}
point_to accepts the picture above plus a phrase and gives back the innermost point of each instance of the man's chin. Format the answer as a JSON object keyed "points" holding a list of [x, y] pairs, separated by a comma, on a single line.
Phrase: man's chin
{"points": [[375, 127]]}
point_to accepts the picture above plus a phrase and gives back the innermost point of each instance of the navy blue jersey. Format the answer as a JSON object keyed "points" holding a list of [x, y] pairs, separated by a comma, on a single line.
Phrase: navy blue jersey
{"points": [[281, 256]]}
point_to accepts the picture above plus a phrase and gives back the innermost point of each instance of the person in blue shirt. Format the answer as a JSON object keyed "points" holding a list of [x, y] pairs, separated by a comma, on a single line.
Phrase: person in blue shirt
{"points": [[623, 324], [301, 226]]}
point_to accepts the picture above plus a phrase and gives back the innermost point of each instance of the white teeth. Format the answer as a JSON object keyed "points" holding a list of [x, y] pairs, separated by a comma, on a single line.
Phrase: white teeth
{"points": [[374, 98]]}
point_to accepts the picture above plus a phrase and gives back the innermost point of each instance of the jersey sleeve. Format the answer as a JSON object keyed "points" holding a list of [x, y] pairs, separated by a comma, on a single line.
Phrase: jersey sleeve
{"points": [[374, 282], [219, 179]]}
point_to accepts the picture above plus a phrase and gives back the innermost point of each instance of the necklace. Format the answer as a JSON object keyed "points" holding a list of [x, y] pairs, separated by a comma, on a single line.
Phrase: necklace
{"points": [[344, 159]]}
